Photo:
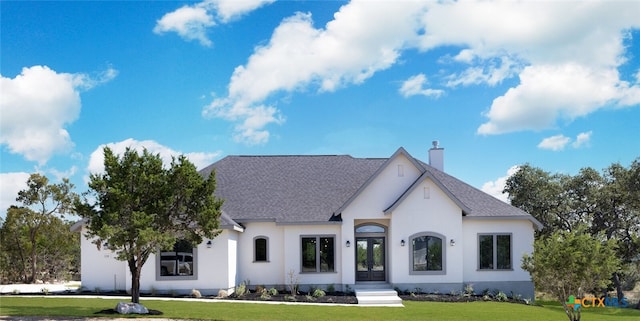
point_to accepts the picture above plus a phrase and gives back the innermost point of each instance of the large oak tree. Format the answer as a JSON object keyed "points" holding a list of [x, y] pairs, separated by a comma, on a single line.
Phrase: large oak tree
{"points": [[142, 206], [608, 204], [35, 229]]}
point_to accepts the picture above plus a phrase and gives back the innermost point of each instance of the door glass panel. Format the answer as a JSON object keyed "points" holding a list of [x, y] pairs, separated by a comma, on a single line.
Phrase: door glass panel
{"points": [[378, 255], [361, 255]]}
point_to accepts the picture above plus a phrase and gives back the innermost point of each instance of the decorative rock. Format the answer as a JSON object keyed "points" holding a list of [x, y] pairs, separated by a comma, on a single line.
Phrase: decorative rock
{"points": [[130, 308]]}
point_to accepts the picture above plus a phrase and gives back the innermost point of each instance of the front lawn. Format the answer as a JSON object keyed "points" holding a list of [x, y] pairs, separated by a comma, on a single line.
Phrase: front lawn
{"points": [[212, 310]]}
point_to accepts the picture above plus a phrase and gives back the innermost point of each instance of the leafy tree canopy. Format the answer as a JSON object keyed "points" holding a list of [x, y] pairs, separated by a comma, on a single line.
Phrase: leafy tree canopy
{"points": [[570, 263], [142, 206], [34, 230]]}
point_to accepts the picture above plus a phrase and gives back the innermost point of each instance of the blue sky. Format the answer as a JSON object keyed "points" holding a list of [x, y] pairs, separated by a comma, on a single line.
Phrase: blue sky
{"points": [[555, 84]]}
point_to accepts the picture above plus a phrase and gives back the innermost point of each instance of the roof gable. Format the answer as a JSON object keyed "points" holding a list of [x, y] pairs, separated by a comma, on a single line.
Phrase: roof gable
{"points": [[400, 152]]}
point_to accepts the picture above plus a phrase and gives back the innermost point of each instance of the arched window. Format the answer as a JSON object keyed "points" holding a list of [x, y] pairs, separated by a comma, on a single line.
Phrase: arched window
{"points": [[261, 249], [427, 253]]}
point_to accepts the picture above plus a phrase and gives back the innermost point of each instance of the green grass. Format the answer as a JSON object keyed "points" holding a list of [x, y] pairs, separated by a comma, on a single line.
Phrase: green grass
{"points": [[81, 307]]}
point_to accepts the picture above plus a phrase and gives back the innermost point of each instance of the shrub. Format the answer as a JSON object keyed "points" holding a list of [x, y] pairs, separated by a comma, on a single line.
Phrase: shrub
{"points": [[331, 288], [293, 282], [273, 291], [241, 290], [265, 295], [501, 296], [318, 293], [468, 289], [223, 294], [196, 294]]}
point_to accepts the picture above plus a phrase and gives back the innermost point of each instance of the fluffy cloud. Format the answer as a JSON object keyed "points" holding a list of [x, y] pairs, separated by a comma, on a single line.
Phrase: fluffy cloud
{"points": [[495, 188], [555, 143], [96, 160], [415, 86], [582, 139], [550, 47], [192, 21], [37, 105], [559, 142], [10, 185], [348, 50], [547, 93]]}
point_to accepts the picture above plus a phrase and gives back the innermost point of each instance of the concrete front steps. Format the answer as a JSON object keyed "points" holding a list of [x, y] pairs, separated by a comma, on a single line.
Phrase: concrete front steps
{"points": [[378, 298]]}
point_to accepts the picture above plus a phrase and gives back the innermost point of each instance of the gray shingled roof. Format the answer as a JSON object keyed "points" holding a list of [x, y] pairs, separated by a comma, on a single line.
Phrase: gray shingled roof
{"points": [[295, 189], [288, 189]]}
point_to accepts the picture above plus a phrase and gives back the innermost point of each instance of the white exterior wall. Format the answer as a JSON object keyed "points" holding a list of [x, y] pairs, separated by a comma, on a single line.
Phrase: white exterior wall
{"points": [[292, 254], [369, 206], [417, 214], [522, 234], [261, 273], [215, 268], [100, 271]]}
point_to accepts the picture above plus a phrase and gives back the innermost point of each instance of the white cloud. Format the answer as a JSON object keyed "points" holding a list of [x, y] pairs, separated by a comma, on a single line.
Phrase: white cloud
{"points": [[495, 188], [415, 86], [192, 21], [560, 142], [10, 185], [232, 9], [547, 93], [348, 50], [96, 160], [489, 71], [566, 55], [555, 143], [36, 107], [582, 139]]}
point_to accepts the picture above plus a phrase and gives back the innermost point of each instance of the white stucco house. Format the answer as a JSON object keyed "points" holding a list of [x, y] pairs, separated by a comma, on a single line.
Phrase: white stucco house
{"points": [[396, 222]]}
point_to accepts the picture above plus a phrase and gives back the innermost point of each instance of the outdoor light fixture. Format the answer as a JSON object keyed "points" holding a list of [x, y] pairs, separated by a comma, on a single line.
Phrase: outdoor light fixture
{"points": [[348, 244], [452, 242], [209, 244], [402, 243]]}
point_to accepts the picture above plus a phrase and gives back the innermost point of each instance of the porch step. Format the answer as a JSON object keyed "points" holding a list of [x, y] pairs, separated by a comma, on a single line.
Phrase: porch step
{"points": [[378, 297]]}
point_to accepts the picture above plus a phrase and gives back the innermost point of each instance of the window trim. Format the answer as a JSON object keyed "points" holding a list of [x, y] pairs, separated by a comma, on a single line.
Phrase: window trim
{"points": [[255, 249], [318, 263], [444, 254], [495, 251], [160, 277]]}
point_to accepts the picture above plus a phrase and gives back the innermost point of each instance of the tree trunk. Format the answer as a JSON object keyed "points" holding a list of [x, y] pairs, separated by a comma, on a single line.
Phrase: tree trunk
{"points": [[135, 285], [34, 257], [618, 285]]}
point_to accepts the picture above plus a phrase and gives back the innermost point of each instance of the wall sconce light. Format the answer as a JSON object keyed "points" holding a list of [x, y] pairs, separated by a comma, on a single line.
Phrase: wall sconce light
{"points": [[348, 244], [402, 243], [452, 242], [209, 244]]}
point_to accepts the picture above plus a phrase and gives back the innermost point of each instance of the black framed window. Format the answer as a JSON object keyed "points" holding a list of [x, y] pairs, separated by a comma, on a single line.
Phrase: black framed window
{"points": [[494, 252], [261, 249], [177, 262], [318, 253], [427, 253]]}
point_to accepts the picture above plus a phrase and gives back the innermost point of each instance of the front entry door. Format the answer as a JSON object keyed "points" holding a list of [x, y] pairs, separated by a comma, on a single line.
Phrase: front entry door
{"points": [[370, 259]]}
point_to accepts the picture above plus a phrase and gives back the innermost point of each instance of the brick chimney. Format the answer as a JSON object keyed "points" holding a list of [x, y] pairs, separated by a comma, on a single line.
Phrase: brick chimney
{"points": [[436, 156]]}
